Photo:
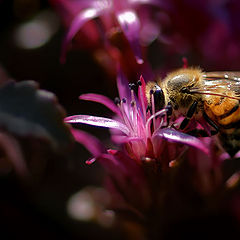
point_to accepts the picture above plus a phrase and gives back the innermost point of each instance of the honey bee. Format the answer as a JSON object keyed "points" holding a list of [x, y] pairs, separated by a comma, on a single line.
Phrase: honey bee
{"points": [[192, 93]]}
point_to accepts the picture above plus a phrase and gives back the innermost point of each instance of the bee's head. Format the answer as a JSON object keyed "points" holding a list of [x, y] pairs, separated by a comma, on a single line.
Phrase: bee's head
{"points": [[181, 81], [179, 85]]}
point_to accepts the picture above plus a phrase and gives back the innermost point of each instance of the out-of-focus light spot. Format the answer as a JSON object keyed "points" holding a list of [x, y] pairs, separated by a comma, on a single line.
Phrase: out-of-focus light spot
{"points": [[37, 32], [103, 4], [90, 204], [32, 35], [81, 206], [89, 13], [128, 17]]}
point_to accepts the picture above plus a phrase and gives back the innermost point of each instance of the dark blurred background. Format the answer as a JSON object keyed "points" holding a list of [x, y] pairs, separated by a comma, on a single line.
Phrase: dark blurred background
{"points": [[31, 35], [28, 51]]}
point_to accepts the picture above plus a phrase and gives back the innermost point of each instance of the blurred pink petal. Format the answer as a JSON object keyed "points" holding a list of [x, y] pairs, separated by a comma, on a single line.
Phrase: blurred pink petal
{"points": [[91, 143], [76, 25], [129, 22], [127, 15]]}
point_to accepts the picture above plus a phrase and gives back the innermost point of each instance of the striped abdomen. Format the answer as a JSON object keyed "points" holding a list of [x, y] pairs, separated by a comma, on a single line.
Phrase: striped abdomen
{"points": [[225, 112]]}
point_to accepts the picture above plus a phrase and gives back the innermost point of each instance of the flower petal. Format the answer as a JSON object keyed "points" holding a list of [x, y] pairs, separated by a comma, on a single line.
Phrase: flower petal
{"points": [[172, 135], [124, 139], [122, 84], [142, 94], [130, 24], [92, 144], [97, 121], [69, 8], [77, 23], [156, 3], [101, 99]]}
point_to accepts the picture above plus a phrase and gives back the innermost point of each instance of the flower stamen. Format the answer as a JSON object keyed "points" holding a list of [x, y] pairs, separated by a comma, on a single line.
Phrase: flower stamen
{"points": [[124, 115], [139, 83], [159, 113]]}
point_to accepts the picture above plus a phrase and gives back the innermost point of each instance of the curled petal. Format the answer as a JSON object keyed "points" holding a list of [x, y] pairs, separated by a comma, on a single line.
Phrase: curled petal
{"points": [[130, 24], [172, 135], [101, 99], [77, 23], [98, 121], [92, 144], [157, 114]]}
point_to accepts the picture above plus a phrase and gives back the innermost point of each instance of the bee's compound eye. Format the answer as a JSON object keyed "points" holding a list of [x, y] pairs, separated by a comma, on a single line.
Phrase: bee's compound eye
{"points": [[159, 100], [185, 90]]}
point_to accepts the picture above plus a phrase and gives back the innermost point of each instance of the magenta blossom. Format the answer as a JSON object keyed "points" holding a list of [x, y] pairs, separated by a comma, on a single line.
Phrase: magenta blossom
{"points": [[159, 176], [137, 19], [140, 130], [203, 30], [144, 138]]}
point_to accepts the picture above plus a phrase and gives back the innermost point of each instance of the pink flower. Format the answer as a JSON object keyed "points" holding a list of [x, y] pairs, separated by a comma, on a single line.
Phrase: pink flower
{"points": [[140, 130], [159, 176], [101, 22], [204, 30], [144, 139]]}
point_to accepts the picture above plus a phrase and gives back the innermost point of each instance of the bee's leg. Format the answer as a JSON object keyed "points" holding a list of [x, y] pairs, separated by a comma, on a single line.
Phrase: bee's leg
{"points": [[189, 115], [211, 123], [168, 115]]}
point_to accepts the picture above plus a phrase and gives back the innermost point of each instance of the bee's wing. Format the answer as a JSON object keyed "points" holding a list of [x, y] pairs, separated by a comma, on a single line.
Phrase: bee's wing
{"points": [[222, 75], [226, 84]]}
